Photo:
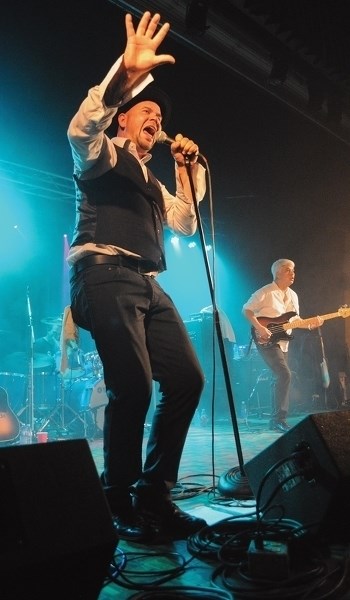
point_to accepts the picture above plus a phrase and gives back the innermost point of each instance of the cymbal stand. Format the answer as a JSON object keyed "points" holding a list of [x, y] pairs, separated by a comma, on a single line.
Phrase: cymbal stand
{"points": [[29, 406]]}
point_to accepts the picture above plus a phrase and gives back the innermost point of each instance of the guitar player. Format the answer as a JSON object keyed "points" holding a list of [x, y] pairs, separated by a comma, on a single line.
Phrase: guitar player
{"points": [[269, 310]]}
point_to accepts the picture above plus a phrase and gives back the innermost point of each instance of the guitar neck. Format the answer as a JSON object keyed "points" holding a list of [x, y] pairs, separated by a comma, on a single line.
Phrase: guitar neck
{"points": [[304, 323]]}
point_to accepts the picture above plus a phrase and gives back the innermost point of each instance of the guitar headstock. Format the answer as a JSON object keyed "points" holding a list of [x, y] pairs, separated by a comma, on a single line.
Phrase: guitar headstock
{"points": [[344, 311]]}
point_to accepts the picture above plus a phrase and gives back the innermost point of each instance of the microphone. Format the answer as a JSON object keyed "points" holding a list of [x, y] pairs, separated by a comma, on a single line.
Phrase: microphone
{"points": [[163, 138]]}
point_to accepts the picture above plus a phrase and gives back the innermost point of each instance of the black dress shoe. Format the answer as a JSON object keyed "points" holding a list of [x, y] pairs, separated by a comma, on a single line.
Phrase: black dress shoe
{"points": [[174, 524], [131, 528], [155, 507], [281, 426]]}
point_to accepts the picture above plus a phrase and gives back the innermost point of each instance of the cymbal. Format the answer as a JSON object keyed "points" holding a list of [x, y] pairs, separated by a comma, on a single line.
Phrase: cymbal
{"points": [[42, 360], [18, 362], [52, 321]]}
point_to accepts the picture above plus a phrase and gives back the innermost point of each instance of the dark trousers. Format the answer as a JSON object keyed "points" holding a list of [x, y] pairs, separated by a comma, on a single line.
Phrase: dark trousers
{"points": [[140, 337], [277, 360]]}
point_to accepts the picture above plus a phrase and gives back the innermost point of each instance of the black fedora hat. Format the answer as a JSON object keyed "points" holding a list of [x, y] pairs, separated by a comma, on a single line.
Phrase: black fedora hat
{"points": [[154, 94]]}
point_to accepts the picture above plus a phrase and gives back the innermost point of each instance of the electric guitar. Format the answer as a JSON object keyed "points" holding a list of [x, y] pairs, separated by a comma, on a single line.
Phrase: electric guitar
{"points": [[279, 326], [9, 423]]}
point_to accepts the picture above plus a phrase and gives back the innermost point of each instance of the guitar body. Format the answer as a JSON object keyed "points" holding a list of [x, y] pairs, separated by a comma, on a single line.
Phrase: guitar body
{"points": [[9, 423], [278, 328]]}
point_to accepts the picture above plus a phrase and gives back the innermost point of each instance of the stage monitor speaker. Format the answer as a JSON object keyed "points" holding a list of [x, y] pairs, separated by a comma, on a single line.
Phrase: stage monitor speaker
{"points": [[57, 533], [309, 476]]}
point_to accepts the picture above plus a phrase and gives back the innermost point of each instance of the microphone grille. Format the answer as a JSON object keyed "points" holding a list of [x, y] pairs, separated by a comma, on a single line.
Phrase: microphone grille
{"points": [[161, 137]]}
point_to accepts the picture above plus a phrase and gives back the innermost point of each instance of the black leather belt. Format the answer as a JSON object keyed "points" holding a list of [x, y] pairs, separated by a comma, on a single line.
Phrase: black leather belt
{"points": [[136, 264]]}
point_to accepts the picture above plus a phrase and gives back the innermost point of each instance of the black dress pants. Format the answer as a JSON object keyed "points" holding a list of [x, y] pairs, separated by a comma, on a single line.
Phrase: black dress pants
{"points": [[140, 337]]}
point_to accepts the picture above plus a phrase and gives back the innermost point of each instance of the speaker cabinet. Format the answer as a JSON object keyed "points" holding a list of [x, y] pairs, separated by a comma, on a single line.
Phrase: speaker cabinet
{"points": [[305, 475], [57, 533]]}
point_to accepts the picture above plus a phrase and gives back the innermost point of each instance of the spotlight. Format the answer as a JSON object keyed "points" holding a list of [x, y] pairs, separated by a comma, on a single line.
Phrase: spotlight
{"points": [[192, 245], [175, 241]]}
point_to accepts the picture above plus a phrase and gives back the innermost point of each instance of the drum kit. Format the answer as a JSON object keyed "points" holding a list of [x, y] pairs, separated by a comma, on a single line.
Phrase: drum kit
{"points": [[70, 404]]}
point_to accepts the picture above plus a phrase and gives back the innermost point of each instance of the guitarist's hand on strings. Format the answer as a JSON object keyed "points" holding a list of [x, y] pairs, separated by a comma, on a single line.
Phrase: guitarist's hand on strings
{"points": [[262, 333]]}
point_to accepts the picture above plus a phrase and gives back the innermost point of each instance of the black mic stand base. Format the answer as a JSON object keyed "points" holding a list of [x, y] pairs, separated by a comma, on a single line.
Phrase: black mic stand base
{"points": [[234, 484]]}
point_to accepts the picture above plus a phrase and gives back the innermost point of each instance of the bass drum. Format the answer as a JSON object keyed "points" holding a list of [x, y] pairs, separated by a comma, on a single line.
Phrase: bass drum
{"points": [[97, 399], [87, 399], [79, 420]]}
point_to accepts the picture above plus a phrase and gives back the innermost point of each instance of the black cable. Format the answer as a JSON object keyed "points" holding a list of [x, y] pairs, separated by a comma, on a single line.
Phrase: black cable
{"points": [[208, 542], [117, 564], [148, 579], [184, 490]]}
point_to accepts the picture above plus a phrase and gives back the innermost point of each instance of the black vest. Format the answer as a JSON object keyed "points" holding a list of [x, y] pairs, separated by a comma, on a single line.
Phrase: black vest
{"points": [[122, 209]]}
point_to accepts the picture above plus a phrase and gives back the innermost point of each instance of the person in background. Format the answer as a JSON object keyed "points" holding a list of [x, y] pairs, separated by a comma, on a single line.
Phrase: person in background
{"points": [[228, 335], [116, 254], [46, 348], [274, 300]]}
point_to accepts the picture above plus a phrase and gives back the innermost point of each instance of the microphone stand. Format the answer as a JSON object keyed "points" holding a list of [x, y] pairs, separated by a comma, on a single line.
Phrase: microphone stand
{"points": [[234, 483], [324, 369], [30, 387]]}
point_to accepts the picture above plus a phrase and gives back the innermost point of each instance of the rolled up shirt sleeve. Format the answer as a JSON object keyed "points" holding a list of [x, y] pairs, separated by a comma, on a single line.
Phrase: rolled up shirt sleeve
{"points": [[86, 131], [180, 211]]}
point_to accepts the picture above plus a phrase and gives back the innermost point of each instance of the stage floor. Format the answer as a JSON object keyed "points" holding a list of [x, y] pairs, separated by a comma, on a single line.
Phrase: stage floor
{"points": [[186, 568], [213, 484]]}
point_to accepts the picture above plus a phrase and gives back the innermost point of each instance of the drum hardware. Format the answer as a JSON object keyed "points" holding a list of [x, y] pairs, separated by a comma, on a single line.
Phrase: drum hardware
{"points": [[86, 399], [80, 408], [59, 415], [81, 413]]}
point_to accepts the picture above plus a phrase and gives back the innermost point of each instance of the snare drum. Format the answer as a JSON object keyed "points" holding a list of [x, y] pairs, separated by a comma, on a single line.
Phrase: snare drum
{"points": [[95, 399]]}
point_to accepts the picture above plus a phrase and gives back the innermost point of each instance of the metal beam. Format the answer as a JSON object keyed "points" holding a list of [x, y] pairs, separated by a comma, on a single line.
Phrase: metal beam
{"points": [[228, 42], [41, 184]]}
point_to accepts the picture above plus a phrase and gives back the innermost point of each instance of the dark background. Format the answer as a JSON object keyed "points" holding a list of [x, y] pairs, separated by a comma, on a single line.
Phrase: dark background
{"points": [[279, 182]]}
